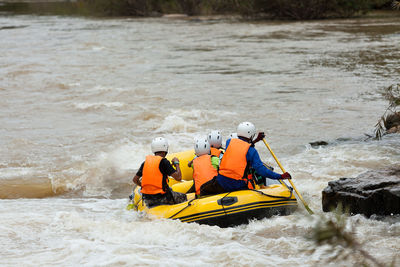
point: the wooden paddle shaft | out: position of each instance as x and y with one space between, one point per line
290 180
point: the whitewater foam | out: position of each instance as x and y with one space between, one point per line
98 105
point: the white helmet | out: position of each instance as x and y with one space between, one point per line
215 139
246 129
233 135
201 147
159 144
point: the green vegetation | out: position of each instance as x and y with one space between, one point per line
338 235
317 9
391 117
396 5
253 9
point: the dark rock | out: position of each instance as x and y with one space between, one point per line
395 129
392 120
344 139
318 143
373 192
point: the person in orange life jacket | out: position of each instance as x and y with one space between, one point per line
215 140
205 166
239 156
154 172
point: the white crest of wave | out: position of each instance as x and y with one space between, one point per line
111 169
98 48
188 121
98 105
173 242
341 160
313 168
100 88
192 122
176 123
93 232
19 172
127 156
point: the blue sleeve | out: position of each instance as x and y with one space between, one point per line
255 162
227 143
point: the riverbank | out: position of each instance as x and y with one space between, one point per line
253 10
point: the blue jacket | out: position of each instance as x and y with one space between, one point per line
255 162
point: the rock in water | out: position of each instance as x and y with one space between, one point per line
318 143
395 129
373 192
392 120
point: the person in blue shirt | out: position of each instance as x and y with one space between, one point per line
240 155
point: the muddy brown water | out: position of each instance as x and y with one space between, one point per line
81 100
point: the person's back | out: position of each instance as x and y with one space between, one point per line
234 162
153 181
240 155
154 172
205 166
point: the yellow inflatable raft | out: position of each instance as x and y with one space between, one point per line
224 210
184 157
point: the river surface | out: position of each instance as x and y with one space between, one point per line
81 100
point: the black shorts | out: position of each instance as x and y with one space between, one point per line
211 187
169 198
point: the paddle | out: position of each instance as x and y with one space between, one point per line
290 180
131 204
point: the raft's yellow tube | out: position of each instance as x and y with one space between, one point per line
184 157
182 187
224 209
273 196
172 181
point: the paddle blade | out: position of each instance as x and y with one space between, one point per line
130 207
308 209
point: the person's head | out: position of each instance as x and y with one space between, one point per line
201 147
215 139
159 146
246 130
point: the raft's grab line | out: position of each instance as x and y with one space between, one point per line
188 205
227 211
221 208
285 201
290 189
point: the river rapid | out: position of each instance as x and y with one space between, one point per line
81 100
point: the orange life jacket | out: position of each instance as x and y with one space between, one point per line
234 162
215 152
152 179
203 171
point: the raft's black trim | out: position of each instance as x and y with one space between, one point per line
242 206
188 205
228 210
244 217
222 213
241 214
239 209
